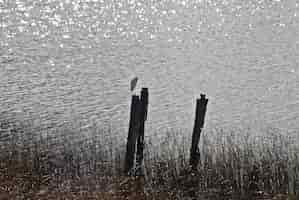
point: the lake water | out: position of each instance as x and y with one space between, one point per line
63 60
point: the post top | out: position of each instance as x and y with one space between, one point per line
202 96
135 96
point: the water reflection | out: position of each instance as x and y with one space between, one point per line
78 57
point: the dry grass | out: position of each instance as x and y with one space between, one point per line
64 164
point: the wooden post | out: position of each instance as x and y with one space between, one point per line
132 134
201 107
143 117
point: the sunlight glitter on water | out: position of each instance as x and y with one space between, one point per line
238 52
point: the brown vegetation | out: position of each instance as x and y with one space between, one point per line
233 165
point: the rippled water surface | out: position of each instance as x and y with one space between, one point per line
62 60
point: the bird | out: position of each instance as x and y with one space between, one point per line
133 83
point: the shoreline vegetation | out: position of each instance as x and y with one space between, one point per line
64 163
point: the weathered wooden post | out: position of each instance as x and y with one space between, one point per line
132 134
201 107
143 117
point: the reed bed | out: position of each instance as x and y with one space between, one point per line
76 163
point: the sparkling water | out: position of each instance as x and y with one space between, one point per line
62 60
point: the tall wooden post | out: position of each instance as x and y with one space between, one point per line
143 117
201 107
132 134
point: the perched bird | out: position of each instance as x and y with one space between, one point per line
133 83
